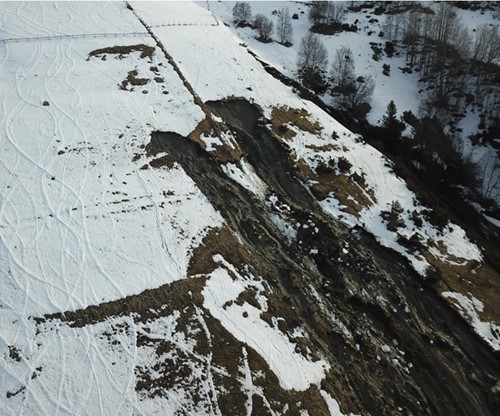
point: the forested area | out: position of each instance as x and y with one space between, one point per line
458 73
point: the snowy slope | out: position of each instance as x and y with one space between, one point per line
82 222
92 217
400 87
230 70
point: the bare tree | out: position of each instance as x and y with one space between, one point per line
312 54
335 12
312 62
486 49
264 28
257 20
326 12
284 27
444 22
388 27
411 34
490 177
360 92
397 25
343 67
317 11
242 13
426 45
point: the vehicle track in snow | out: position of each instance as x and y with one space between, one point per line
58 201
61 119
78 254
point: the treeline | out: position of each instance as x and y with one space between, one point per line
459 68
265 28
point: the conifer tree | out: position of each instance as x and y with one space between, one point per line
393 126
389 120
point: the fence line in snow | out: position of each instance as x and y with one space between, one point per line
183 24
105 35
72 36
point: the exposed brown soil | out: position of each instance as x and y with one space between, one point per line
478 280
219 241
210 127
144 306
351 194
155 146
167 161
133 80
281 116
121 51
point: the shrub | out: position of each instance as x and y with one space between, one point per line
393 217
242 13
386 69
344 165
264 28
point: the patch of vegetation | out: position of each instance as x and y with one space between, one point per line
333 28
393 216
351 191
132 79
281 116
414 244
14 353
323 148
121 51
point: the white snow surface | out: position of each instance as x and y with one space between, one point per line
293 370
244 174
470 307
188 13
49 19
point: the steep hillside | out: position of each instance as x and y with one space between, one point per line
377 35
181 233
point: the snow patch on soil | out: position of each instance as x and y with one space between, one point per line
293 370
470 308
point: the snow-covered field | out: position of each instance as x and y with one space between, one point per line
80 222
